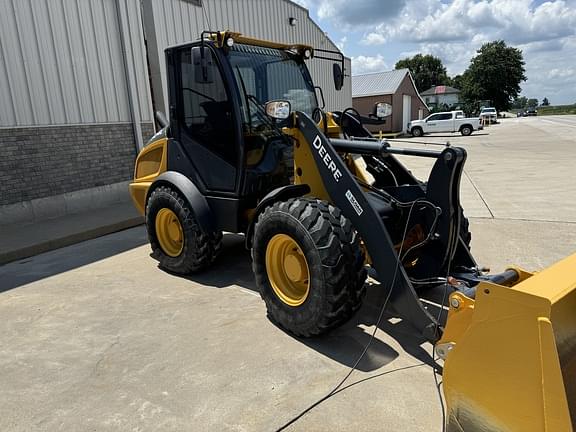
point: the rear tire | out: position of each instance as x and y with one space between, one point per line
417 132
198 249
334 260
466 130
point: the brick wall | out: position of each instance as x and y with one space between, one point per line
43 161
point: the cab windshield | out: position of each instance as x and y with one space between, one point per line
265 74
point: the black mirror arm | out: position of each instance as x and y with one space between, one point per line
339 59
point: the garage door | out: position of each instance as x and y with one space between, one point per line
406 111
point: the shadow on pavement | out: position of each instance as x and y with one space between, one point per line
344 344
232 267
18 273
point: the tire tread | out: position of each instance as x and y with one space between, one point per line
200 247
342 258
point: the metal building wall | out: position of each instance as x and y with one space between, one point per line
170 22
61 62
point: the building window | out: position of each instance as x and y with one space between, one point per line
194 2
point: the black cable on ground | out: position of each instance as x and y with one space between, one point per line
337 389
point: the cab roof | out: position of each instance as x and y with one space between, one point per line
219 39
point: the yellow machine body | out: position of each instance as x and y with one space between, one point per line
510 354
150 163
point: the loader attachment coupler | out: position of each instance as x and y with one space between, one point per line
510 354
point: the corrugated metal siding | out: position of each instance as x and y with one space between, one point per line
378 83
178 21
61 62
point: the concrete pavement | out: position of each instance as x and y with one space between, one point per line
22 240
119 345
95 337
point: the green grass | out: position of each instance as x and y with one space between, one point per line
557 109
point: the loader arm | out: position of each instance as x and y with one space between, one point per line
319 165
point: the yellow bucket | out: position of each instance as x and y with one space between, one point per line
510 354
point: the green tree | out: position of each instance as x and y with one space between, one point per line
495 73
426 70
545 102
520 102
456 82
532 103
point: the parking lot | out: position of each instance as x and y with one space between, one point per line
96 337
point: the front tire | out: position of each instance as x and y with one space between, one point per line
417 132
178 242
309 266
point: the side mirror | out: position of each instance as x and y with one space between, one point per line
203 65
382 110
161 118
279 110
338 76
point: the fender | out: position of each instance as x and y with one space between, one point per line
279 194
190 192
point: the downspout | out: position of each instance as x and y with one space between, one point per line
130 82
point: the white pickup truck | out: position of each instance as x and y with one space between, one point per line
453 121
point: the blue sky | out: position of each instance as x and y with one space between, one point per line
377 33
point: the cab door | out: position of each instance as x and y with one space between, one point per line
432 123
204 121
445 123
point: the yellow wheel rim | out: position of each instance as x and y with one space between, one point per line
287 270
169 232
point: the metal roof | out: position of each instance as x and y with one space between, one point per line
441 89
379 83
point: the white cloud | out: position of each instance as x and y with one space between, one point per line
365 64
564 73
516 21
455 29
373 39
455 56
551 74
341 44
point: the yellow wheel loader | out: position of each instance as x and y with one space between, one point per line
249 149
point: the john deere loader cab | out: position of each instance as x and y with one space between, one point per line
228 145
249 150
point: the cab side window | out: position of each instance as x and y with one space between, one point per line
206 114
